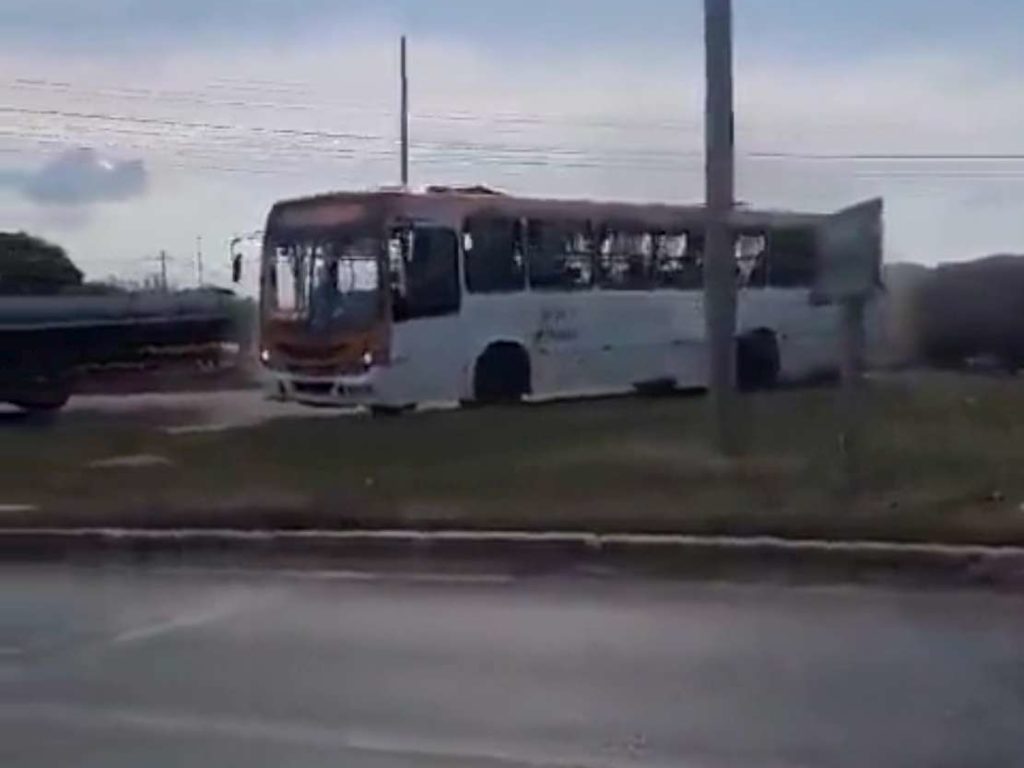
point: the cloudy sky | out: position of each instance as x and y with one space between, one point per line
131 126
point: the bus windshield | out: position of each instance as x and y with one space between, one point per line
334 284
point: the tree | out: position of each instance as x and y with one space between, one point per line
31 265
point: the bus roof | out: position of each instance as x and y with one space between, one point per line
335 209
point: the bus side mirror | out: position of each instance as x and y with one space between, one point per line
236 268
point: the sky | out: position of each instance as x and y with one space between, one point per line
134 126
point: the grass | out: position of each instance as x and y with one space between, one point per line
941 460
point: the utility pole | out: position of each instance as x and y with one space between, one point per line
163 270
719 247
852 366
405 115
199 260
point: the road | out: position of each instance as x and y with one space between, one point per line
112 667
200 411
184 411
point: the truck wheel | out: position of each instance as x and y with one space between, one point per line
42 392
48 402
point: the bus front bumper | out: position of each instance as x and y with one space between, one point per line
334 391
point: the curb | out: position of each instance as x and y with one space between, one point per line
532 553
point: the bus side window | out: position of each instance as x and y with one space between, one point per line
559 258
791 258
425 279
625 261
672 265
691 268
399 251
494 256
752 260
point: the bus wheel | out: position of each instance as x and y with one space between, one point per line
386 411
502 374
757 360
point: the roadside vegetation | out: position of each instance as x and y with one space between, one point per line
941 461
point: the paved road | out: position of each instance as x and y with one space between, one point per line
208 410
171 668
185 411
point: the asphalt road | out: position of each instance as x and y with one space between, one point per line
225 409
184 411
188 668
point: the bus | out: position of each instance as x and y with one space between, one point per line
393 299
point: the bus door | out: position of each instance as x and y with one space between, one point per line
425 299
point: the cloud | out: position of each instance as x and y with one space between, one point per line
809 29
80 177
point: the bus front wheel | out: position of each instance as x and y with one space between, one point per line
390 411
502 374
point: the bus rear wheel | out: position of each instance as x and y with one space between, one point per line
502 374
758 361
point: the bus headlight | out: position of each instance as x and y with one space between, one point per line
265 356
367 359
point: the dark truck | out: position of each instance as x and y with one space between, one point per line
46 341
972 312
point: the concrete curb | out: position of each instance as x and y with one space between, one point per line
529 553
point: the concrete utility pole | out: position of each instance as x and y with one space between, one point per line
199 260
852 318
163 270
405 115
719 248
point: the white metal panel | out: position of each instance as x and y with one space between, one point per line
427 357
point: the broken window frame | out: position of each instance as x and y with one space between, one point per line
512 277
792 259
679 269
314 272
624 259
576 250
411 296
285 272
751 250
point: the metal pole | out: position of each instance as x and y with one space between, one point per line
719 255
199 260
163 270
405 116
853 345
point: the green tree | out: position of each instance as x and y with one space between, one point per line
31 265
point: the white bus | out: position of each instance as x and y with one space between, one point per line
392 299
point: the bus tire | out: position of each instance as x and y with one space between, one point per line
502 374
758 361
390 411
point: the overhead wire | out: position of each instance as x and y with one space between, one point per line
249 141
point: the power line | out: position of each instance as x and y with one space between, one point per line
198 97
303 133
299 145
185 124
888 156
201 158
